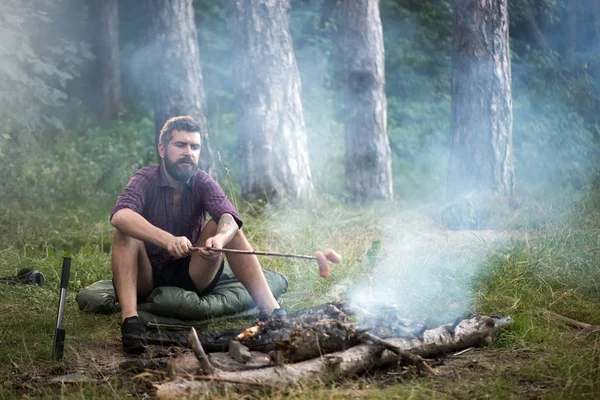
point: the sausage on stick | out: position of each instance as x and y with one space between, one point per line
322 257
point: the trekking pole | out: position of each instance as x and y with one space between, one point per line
59 334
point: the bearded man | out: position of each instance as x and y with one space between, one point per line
160 216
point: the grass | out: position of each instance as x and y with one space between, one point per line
551 262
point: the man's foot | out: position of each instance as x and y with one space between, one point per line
131 330
277 313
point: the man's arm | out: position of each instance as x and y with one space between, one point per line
133 224
226 230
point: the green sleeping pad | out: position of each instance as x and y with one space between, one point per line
175 308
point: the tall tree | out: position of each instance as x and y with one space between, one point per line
178 83
368 162
104 16
481 155
271 130
571 45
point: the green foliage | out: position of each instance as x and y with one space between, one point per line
81 170
35 62
417 38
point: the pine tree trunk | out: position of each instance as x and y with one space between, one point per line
104 16
179 88
571 46
595 67
481 155
271 130
368 157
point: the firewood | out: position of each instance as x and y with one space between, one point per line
475 331
404 355
205 366
239 352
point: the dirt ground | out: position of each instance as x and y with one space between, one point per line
100 365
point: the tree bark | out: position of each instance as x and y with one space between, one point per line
571 46
271 130
104 16
368 161
178 82
481 158
596 18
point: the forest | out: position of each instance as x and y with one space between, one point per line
448 149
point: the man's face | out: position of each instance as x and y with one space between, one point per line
181 155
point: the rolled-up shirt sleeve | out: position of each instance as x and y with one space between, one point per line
215 200
134 195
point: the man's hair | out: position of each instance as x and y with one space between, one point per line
186 124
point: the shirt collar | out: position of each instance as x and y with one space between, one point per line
163 181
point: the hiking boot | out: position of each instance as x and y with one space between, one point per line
132 331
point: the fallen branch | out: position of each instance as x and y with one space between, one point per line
475 331
206 378
205 365
586 329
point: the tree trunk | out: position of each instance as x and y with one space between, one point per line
596 18
179 88
571 46
595 69
271 131
534 29
104 16
368 157
481 158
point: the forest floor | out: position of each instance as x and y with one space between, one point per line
534 261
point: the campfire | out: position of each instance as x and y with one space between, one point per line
329 341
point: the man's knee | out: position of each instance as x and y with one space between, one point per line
122 240
210 227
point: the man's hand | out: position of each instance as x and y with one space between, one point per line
179 246
226 230
216 242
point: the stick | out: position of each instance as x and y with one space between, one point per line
586 329
412 358
570 321
463 352
258 253
205 365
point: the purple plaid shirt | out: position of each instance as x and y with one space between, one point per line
149 194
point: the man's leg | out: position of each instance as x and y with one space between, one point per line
132 272
248 270
203 270
245 267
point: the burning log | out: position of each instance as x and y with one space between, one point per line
304 335
475 331
213 341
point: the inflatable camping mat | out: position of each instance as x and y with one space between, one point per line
175 308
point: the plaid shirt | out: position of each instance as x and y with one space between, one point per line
149 194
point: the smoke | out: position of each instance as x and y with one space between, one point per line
425 269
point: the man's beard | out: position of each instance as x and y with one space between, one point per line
181 170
